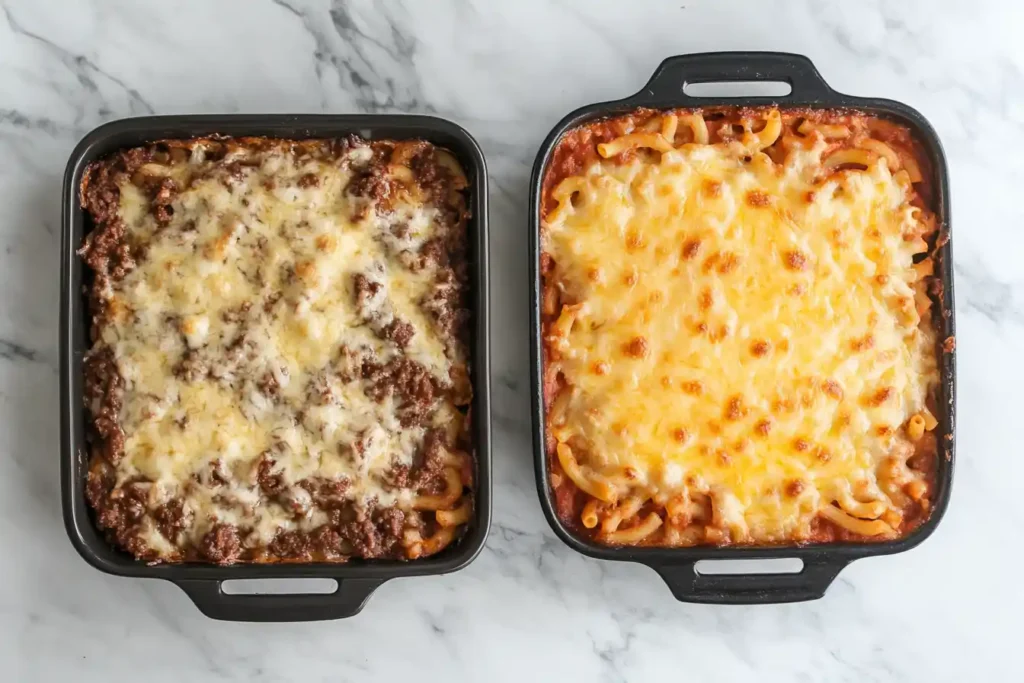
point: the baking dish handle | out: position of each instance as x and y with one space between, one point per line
346 601
689 585
675 72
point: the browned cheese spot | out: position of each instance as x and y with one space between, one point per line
710 263
694 388
734 409
863 343
728 262
796 260
691 248
783 405
706 299
305 270
760 348
832 388
807 397
635 241
721 333
637 347
758 199
881 396
326 243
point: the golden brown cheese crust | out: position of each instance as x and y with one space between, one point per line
279 366
622 505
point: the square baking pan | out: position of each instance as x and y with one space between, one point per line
356 579
823 562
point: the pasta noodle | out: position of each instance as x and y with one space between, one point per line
829 131
459 515
452 493
874 527
698 127
634 535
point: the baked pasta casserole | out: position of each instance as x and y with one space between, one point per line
736 328
278 369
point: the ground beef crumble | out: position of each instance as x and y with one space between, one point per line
372 303
447 306
409 382
426 473
172 519
104 393
269 481
221 544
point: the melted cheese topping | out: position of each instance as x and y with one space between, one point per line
227 335
740 330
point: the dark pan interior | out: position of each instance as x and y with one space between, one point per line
357 579
822 563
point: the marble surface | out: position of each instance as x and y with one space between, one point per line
528 608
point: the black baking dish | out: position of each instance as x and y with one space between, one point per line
358 579
821 563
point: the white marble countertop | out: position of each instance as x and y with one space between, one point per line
528 608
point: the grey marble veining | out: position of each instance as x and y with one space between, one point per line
528 608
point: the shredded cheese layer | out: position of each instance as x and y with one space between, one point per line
227 336
742 330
